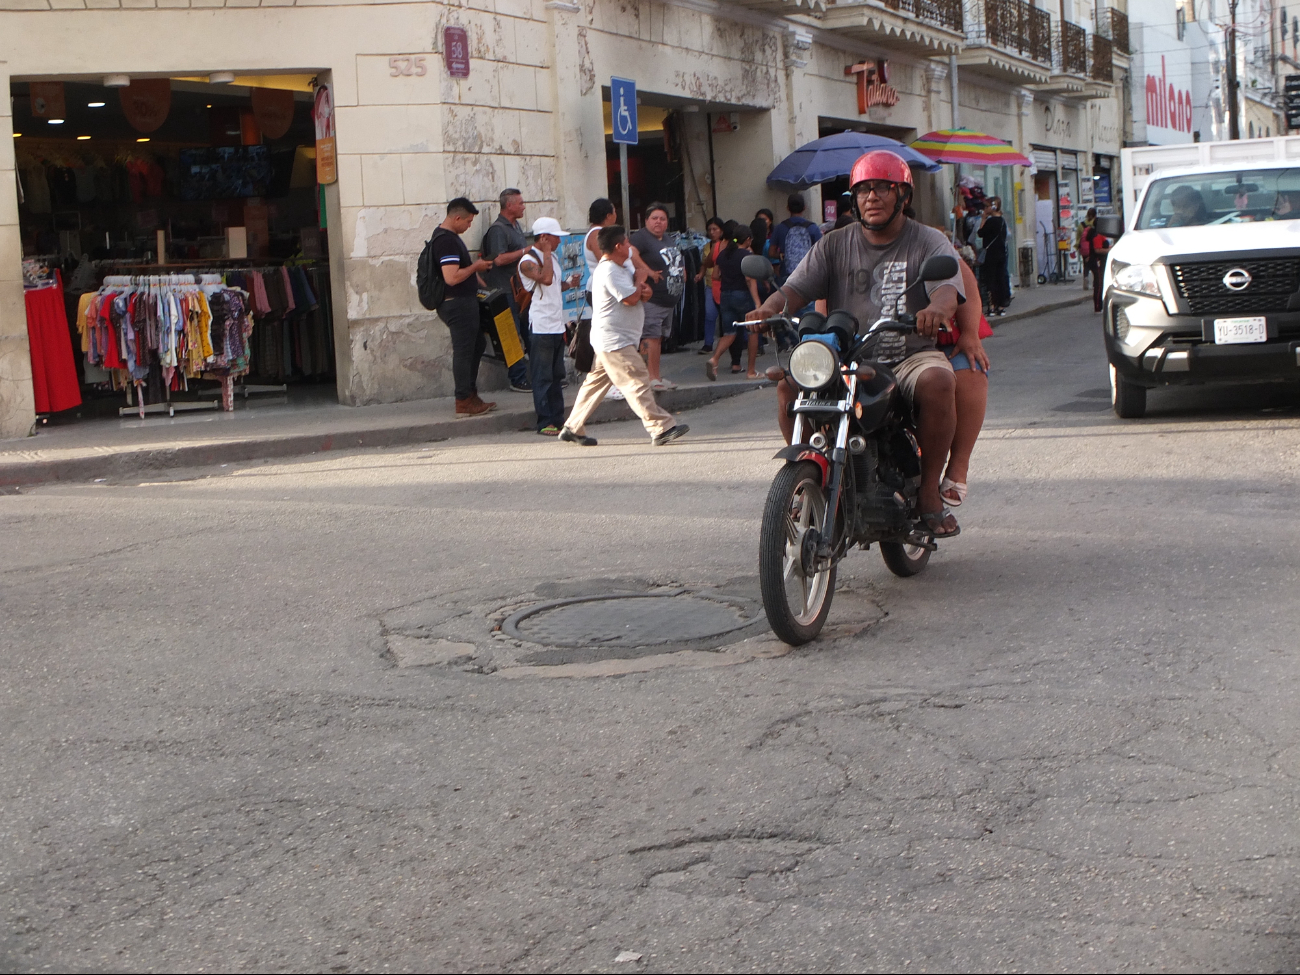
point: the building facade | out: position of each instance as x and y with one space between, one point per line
727 88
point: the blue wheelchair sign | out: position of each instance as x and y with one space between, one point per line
622 104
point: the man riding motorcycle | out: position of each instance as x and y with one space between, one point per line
863 269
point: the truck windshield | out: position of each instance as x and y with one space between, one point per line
1231 196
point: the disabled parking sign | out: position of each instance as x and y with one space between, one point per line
622 106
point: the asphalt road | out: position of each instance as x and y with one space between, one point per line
255 718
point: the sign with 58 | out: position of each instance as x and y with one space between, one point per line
455 50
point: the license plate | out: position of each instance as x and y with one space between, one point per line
1235 331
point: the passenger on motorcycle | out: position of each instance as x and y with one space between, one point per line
863 269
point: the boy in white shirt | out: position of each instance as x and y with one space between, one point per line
541 273
616 323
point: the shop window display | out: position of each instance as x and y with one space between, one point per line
206 190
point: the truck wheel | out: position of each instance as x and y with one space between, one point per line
1129 400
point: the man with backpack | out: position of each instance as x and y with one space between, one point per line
448 284
794 237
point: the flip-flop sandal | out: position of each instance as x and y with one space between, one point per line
933 521
711 370
956 487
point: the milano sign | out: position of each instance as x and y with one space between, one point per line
1169 98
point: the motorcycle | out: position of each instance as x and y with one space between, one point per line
853 467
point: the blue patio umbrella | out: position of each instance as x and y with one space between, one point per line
834 155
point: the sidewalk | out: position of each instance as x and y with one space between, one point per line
1044 298
309 421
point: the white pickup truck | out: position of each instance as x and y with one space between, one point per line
1204 284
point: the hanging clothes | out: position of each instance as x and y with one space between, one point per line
54 370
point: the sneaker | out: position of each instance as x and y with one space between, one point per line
523 387
550 430
568 436
668 436
704 350
614 393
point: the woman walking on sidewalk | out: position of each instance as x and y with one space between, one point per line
739 298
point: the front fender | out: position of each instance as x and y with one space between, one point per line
801 451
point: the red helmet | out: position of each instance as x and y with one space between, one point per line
880 164
886 165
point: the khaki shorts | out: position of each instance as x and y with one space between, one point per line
909 370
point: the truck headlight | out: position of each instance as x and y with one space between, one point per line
1139 278
813 364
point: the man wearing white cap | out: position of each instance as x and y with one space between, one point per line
540 272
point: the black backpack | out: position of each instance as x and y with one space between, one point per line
428 275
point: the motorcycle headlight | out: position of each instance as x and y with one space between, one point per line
813 364
1140 278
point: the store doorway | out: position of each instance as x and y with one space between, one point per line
1045 228
178 176
655 170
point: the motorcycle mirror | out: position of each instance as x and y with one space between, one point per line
1109 225
939 267
759 268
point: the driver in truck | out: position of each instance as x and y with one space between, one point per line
863 268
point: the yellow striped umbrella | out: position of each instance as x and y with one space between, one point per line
968 146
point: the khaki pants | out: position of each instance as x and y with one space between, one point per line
625 369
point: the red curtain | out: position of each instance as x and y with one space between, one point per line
54 371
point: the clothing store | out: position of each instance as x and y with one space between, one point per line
174 242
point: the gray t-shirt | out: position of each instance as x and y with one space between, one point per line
864 278
614 325
502 238
661 254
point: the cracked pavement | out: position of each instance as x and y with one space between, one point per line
257 719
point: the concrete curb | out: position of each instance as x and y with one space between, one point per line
1055 306
128 462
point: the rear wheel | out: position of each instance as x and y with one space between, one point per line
903 559
796 597
1129 400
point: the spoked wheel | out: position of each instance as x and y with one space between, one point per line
796 597
903 559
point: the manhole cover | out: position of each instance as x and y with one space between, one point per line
629 620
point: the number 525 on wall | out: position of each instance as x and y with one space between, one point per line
397 67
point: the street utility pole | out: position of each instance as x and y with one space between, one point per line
1234 108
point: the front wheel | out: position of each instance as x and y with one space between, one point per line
903 559
796 597
1129 400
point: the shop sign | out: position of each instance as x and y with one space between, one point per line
455 51
873 85
47 99
1166 98
1101 189
273 109
323 115
146 102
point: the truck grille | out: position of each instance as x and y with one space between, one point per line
1273 281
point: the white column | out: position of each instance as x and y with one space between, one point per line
579 124
17 406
